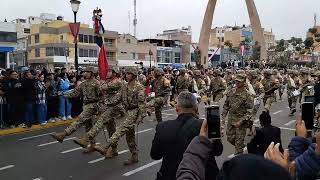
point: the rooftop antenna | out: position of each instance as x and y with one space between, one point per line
315 19
129 17
135 21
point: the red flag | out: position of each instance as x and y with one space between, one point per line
74 30
103 64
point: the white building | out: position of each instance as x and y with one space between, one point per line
8 42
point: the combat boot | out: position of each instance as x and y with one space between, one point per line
132 160
89 149
84 142
100 149
59 136
112 152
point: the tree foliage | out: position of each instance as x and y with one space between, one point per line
309 42
313 30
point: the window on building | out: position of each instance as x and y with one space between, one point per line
26 30
29 40
36 38
122 52
222 39
62 51
95 53
109 42
61 38
49 51
85 39
128 41
56 50
85 53
159 59
91 53
81 52
110 56
91 41
133 55
141 56
37 52
81 38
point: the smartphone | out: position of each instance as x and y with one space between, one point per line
307 109
213 120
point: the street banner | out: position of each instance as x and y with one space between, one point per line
242 48
74 30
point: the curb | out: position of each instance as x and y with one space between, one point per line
34 127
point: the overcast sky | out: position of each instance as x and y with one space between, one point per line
287 18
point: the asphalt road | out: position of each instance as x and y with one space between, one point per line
36 156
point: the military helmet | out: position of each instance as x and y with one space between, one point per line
241 77
217 71
132 70
267 72
241 71
289 71
158 72
304 71
183 71
197 72
317 73
295 72
275 72
229 71
115 69
90 69
253 73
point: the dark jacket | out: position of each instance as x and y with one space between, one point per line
317 93
198 160
13 91
171 140
264 136
302 151
29 90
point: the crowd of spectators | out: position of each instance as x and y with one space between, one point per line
31 97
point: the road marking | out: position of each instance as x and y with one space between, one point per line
103 158
54 142
142 168
290 122
146 130
74 149
277 112
31 137
6 167
290 129
257 120
40 178
168 110
169 114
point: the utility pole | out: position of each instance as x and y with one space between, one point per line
135 21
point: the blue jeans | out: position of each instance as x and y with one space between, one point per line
29 113
41 111
64 107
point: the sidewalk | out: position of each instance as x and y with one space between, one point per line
34 127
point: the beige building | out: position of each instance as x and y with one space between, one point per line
51 45
220 35
130 52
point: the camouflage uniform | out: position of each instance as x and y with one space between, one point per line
90 92
270 85
306 81
110 109
134 102
183 82
238 106
259 90
162 89
218 86
291 86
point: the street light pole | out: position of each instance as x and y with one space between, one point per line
75 7
76 64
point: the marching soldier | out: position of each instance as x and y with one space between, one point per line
134 102
270 85
110 108
258 89
183 81
201 84
306 83
218 86
291 88
238 106
90 92
162 89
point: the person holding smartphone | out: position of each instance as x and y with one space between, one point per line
238 105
